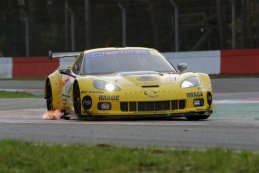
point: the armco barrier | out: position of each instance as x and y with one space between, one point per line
66 61
33 67
198 61
240 61
6 67
211 62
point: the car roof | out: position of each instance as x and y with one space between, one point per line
117 48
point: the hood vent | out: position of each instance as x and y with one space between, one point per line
150 86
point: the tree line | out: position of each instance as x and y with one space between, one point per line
35 26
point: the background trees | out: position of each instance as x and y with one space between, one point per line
203 24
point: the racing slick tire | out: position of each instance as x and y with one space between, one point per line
77 101
49 97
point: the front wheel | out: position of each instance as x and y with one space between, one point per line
77 101
49 98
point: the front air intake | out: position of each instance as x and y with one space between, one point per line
152 105
150 86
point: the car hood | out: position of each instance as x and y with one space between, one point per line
141 78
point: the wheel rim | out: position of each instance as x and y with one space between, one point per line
77 100
49 97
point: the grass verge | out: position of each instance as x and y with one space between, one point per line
20 157
16 94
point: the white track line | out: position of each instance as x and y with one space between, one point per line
237 101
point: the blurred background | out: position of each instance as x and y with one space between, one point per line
32 27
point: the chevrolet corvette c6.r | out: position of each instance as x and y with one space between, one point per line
130 81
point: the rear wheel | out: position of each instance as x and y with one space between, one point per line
49 99
77 101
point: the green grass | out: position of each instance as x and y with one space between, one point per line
23 157
8 94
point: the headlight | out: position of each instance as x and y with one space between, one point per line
103 85
190 82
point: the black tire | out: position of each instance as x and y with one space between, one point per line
77 101
49 97
197 117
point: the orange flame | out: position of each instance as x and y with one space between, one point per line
52 115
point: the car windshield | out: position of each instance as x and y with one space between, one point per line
111 61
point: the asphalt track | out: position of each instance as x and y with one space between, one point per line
234 123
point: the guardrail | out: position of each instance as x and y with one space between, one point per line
211 62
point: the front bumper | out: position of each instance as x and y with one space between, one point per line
134 104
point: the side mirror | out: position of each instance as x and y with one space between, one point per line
182 67
66 71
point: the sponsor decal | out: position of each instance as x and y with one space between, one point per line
117 52
65 96
130 93
91 92
200 109
104 112
66 84
65 99
151 93
109 98
87 102
194 94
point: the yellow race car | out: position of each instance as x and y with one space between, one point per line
129 81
